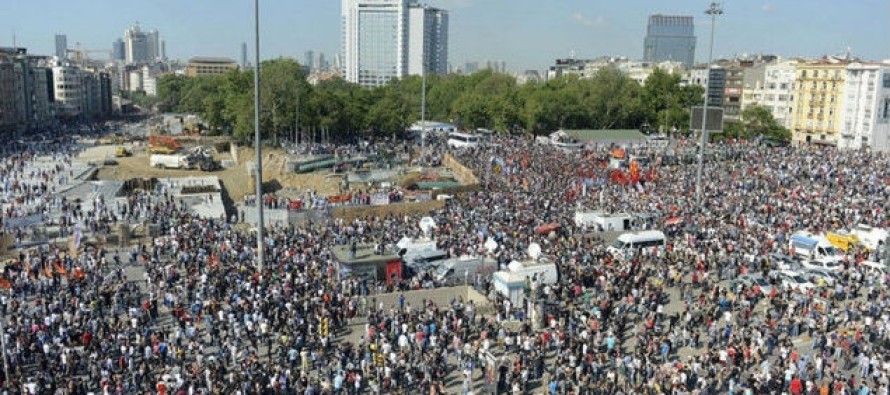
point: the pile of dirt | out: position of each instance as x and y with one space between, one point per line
235 179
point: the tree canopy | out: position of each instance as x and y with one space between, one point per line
758 121
486 99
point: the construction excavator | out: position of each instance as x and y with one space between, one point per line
158 144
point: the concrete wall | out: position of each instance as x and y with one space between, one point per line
461 172
233 149
373 175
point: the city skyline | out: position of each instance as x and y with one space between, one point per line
527 34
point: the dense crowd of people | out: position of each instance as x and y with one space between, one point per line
190 312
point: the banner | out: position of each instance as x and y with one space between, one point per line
379 199
78 234
20 222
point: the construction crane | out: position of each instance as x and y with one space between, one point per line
80 54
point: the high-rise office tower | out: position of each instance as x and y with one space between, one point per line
61 46
244 56
322 62
670 37
374 38
309 60
427 40
118 50
154 45
136 45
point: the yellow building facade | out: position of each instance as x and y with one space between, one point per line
818 101
198 66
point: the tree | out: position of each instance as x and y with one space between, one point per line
666 103
757 121
484 99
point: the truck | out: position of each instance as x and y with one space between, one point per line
870 237
541 270
163 161
511 285
811 246
842 240
603 222
464 268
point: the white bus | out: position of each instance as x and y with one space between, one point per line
636 240
462 140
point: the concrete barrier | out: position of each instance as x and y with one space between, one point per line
372 176
461 172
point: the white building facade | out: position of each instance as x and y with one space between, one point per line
865 121
427 40
149 81
374 40
68 89
771 85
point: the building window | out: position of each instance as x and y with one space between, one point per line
887 81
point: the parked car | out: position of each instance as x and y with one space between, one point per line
821 277
750 280
795 281
822 264
784 262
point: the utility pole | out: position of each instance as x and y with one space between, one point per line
297 116
422 112
3 344
258 139
713 11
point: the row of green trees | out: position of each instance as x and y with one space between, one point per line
485 99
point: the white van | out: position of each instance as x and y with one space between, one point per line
815 247
635 240
462 140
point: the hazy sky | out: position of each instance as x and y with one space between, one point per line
527 34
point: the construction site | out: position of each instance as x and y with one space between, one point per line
148 152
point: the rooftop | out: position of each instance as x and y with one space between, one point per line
364 254
210 59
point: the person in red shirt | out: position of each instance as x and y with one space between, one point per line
796 386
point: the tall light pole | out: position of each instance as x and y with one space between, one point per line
422 112
297 116
713 11
258 140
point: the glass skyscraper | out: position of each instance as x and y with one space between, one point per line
670 38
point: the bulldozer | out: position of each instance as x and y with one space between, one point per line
192 128
122 152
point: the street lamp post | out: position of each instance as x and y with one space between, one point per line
297 116
713 11
258 142
422 112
